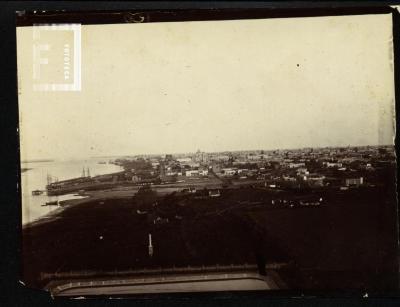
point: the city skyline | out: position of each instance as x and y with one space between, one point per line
207 152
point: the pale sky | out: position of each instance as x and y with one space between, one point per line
215 86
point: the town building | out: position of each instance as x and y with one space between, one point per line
229 171
296 165
354 181
191 173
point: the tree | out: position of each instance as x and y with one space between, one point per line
145 198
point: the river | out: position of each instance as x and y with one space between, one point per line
35 178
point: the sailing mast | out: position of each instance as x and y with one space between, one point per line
49 179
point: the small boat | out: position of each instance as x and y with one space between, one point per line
37 192
51 203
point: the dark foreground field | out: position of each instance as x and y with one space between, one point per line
348 242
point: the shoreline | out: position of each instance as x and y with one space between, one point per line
54 215
119 192
70 203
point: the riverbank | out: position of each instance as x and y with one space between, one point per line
118 192
55 214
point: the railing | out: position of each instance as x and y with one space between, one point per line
59 289
157 271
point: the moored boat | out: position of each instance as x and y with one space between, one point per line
51 203
37 192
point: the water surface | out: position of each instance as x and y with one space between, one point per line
35 178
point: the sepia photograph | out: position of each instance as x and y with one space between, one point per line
186 152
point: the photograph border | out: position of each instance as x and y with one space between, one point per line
28 18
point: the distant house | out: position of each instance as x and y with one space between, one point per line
191 173
189 190
184 160
316 180
160 220
302 171
288 178
229 171
191 164
354 181
369 167
257 157
214 193
297 165
203 172
221 157
333 164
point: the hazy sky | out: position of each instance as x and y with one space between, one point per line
219 85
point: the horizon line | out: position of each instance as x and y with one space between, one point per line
190 152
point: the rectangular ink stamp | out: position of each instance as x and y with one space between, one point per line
56 57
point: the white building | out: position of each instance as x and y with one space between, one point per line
203 172
221 157
302 171
257 157
315 179
191 173
155 164
184 160
333 164
296 165
214 193
229 171
354 181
